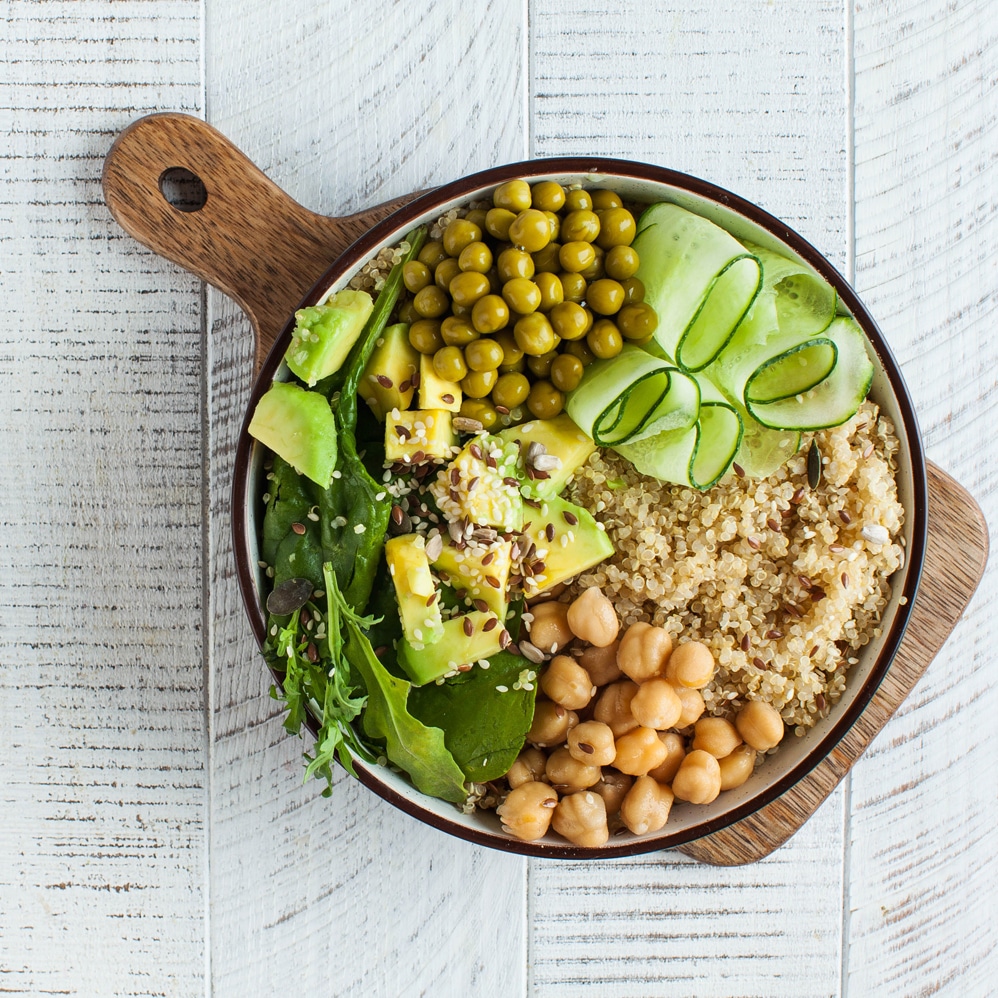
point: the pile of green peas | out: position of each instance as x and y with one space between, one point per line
515 301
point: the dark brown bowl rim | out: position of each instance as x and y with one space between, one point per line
587 167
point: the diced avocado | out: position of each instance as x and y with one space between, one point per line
298 425
415 431
325 333
481 569
471 487
577 542
434 391
560 438
454 649
387 381
419 607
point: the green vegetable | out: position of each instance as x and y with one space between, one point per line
484 728
299 426
324 334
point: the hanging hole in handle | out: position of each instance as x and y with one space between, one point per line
182 189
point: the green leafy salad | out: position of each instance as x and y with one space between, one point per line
420 452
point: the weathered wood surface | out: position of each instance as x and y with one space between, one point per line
158 838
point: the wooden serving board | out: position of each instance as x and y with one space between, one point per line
244 210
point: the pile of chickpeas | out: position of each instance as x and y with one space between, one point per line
619 732
514 301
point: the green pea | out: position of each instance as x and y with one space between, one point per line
530 230
540 367
604 339
545 401
431 254
483 355
475 257
431 302
481 410
424 335
498 221
552 292
489 314
603 199
548 260
445 272
605 296
511 353
514 263
595 270
457 332
478 384
566 372
511 390
459 234
576 256
637 322
514 195
448 363
534 334
521 295
407 311
573 286
415 276
578 200
569 320
621 262
580 226
467 287
548 196
617 228
580 349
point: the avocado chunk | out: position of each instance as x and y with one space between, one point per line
418 431
481 569
577 542
455 649
480 485
388 381
297 425
419 607
436 392
324 334
561 439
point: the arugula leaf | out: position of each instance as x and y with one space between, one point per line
484 728
413 746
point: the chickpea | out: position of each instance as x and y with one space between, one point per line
527 810
760 724
675 749
639 751
592 742
613 789
737 767
551 724
691 664
716 735
657 705
693 706
698 779
549 629
601 664
614 707
566 682
581 818
564 771
529 765
644 651
593 618
647 805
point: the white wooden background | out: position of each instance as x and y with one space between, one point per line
155 838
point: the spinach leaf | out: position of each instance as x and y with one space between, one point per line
485 714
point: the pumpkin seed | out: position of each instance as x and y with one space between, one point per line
290 595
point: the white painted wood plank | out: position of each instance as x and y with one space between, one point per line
356 897
752 97
923 846
101 722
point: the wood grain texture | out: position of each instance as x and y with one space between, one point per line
923 849
355 896
101 726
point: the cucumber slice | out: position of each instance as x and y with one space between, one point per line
805 302
699 279
837 397
632 396
762 450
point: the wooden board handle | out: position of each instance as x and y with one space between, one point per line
249 239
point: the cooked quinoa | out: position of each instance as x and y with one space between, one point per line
785 583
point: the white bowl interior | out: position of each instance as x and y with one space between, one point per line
793 750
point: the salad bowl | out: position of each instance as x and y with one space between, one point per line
274 257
